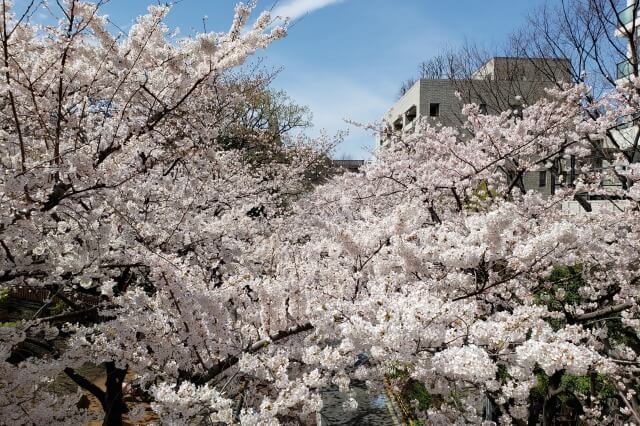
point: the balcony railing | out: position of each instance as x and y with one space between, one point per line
624 69
626 15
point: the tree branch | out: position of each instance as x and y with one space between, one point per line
232 360
602 313
87 385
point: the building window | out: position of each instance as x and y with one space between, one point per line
434 110
411 114
542 179
563 178
483 109
397 125
516 111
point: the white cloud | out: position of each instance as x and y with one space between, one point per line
294 9
333 98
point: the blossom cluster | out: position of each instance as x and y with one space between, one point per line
229 289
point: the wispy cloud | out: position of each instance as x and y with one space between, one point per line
333 98
294 9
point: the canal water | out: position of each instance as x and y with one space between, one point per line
373 409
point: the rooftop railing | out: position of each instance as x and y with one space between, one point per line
626 15
624 69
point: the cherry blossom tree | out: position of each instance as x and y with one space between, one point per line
440 265
115 187
224 290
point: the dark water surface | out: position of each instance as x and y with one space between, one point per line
373 409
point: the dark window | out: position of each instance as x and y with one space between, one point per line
542 179
434 110
411 114
516 111
483 109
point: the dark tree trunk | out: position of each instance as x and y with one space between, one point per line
114 406
535 410
550 406
549 411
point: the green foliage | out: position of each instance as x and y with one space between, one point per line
503 374
579 384
398 372
483 193
598 385
561 288
58 308
542 383
621 334
567 279
9 324
479 196
415 390
411 390
570 386
4 294
261 121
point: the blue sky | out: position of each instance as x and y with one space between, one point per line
347 58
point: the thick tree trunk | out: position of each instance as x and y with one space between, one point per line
548 411
114 406
549 408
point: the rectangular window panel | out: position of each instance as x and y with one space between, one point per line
542 179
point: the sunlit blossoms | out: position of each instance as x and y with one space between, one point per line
119 199
442 266
232 285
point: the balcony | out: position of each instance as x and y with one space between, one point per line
625 17
624 69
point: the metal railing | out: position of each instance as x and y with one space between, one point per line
352 165
624 69
626 15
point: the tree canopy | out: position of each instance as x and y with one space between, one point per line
227 290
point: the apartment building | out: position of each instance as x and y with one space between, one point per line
623 137
501 84
628 20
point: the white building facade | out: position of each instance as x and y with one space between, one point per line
501 84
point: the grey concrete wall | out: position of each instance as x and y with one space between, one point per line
399 109
525 69
498 96
532 182
442 92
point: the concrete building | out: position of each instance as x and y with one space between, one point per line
628 18
342 166
624 136
501 84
